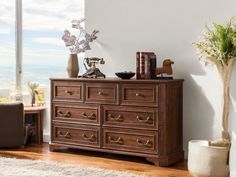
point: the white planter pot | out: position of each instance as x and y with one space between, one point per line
207 161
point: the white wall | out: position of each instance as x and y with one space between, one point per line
168 28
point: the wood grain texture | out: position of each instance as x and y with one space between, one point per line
136 165
139 94
130 117
67 90
130 140
76 113
105 93
76 135
134 117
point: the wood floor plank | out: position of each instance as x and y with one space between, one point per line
136 165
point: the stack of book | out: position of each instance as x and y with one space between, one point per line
145 65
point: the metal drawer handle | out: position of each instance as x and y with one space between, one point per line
139 94
68 92
118 118
92 116
91 138
66 135
100 93
117 141
147 120
66 114
146 143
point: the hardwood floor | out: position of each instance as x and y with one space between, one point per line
136 165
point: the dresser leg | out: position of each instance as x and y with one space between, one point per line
52 148
165 161
153 160
158 161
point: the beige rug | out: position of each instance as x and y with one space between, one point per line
37 168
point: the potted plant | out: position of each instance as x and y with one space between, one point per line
218 47
33 91
77 45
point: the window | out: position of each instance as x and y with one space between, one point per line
7 43
44 53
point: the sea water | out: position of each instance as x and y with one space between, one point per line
31 73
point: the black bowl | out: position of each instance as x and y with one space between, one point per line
125 75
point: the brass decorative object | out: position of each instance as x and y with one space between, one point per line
91 70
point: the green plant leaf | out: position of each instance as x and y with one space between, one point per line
219 42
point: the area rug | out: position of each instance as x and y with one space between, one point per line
36 168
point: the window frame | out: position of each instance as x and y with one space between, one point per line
18 43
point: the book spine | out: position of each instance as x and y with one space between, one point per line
147 73
138 65
145 65
153 66
142 66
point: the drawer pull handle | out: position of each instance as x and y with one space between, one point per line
100 93
117 141
139 95
147 120
67 114
146 143
66 135
68 92
91 116
92 138
119 118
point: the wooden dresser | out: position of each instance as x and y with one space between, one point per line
133 117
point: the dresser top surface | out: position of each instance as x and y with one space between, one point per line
114 79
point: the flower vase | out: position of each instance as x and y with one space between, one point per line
33 99
73 66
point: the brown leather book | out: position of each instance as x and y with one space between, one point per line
145 65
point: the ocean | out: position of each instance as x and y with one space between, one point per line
31 73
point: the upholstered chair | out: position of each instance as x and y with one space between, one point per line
11 125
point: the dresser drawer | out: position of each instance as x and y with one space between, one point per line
67 91
105 93
76 135
75 113
130 140
140 95
130 117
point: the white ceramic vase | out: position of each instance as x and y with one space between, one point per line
207 161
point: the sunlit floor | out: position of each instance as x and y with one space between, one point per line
131 164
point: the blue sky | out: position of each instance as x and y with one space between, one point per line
44 22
